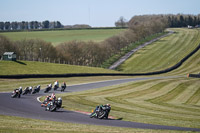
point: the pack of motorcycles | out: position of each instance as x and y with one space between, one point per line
52 104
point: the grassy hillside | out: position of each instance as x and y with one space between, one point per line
30 67
60 36
163 53
172 102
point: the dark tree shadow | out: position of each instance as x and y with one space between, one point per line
22 63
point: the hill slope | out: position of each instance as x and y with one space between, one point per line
163 53
29 67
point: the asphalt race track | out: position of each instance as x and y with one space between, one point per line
28 106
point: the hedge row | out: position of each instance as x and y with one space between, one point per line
55 29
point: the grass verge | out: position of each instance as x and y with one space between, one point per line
171 102
32 67
12 124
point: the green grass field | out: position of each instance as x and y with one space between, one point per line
11 124
173 101
163 53
31 67
60 36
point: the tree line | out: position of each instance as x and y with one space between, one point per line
32 25
182 20
90 53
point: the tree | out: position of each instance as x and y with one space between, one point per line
14 25
7 25
23 25
32 26
45 24
1 25
6 45
36 24
58 24
122 22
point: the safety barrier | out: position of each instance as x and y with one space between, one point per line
194 75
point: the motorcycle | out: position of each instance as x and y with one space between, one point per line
47 89
46 101
36 89
26 91
55 87
54 105
20 91
101 112
63 87
15 93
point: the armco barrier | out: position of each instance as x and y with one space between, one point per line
194 75
102 74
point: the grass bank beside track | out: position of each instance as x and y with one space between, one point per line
127 49
164 53
33 67
173 102
12 124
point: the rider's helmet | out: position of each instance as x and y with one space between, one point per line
20 87
59 98
108 104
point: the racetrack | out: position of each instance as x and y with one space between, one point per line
28 106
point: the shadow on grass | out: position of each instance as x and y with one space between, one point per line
22 63
119 119
113 119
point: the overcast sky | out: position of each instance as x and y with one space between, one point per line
97 13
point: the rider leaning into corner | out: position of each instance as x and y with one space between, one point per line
56 83
106 106
57 103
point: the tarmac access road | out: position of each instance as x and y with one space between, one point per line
28 106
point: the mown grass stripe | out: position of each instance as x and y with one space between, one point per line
163 53
195 98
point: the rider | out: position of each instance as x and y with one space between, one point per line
53 96
47 98
20 90
17 91
59 103
30 89
38 87
106 106
63 86
56 83
50 85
